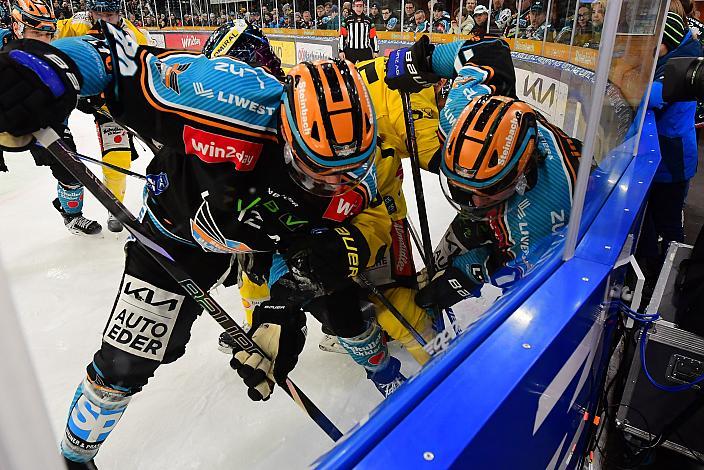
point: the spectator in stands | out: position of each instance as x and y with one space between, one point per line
662 221
307 20
481 17
409 22
598 12
334 21
345 13
422 25
539 28
375 15
519 20
347 5
297 20
441 20
255 19
328 9
390 21
463 25
583 31
322 18
500 17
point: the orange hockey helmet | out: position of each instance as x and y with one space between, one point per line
328 125
488 153
34 14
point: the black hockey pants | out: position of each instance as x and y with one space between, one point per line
151 318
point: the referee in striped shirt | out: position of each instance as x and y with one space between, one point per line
358 36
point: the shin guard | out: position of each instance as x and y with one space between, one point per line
94 413
70 198
368 349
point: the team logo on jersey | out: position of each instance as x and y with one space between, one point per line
215 148
206 232
343 207
169 74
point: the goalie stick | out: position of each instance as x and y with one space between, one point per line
71 160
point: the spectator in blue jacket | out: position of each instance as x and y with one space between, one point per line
678 147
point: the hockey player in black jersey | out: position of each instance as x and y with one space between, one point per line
247 164
34 19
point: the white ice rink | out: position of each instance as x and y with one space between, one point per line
194 414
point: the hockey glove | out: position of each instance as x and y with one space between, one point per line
90 104
447 288
39 86
330 257
279 330
410 69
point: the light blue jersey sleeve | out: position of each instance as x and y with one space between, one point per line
163 95
5 36
527 228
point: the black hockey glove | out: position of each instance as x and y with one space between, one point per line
39 86
410 68
279 330
90 104
331 256
449 287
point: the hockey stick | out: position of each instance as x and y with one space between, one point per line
450 313
425 246
387 303
111 166
411 143
52 142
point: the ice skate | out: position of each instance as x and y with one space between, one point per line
388 379
76 223
71 465
114 225
329 343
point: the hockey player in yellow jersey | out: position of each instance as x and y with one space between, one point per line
116 144
394 273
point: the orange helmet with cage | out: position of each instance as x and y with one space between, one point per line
489 150
34 14
328 126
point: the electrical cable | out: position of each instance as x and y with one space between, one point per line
666 388
694 454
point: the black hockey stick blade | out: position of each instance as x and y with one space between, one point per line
71 160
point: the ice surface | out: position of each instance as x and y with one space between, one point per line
194 414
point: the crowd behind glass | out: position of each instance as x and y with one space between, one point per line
551 20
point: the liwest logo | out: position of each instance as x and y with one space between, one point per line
190 41
215 148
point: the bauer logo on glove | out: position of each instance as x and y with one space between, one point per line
409 69
447 288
